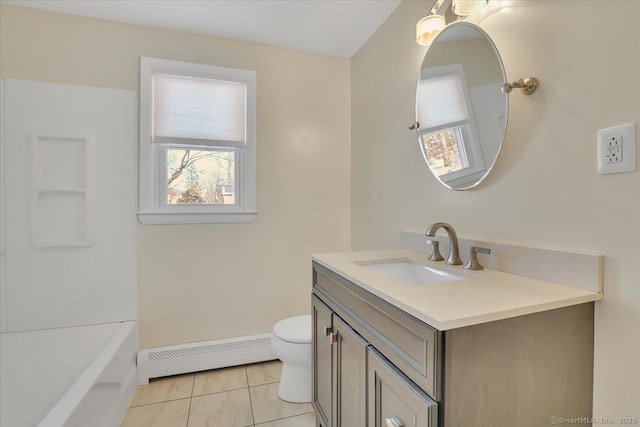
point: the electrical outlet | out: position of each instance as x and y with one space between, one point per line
617 149
614 149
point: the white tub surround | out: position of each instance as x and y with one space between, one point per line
70 229
68 285
487 296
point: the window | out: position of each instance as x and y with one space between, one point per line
447 132
197 143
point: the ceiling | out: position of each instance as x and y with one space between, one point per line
333 27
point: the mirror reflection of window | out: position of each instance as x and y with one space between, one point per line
445 151
447 131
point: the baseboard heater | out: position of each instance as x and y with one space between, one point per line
202 356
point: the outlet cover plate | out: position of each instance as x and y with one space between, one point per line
617 149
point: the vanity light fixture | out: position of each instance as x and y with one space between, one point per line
430 26
467 7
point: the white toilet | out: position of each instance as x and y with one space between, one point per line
292 344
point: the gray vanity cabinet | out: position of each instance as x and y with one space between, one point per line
394 401
374 365
339 370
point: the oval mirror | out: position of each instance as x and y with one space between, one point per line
460 108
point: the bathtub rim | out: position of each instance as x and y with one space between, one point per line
65 407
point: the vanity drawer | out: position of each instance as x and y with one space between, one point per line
409 343
393 399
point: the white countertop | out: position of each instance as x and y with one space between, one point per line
487 296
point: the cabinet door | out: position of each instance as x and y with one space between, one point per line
322 367
394 401
350 367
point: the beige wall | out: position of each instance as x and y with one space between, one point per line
545 190
200 282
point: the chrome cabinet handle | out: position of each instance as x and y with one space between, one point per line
393 422
333 337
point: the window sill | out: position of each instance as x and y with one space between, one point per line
196 217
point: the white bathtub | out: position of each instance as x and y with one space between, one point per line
69 377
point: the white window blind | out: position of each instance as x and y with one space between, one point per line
198 110
441 102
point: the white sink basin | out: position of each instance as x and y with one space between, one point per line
410 272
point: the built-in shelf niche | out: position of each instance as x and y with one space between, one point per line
63 189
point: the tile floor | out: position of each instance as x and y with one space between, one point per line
241 396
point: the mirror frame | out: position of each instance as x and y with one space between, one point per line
506 122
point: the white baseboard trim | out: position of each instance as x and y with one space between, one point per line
202 356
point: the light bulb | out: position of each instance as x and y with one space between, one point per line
467 7
428 28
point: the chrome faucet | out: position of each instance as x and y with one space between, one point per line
454 253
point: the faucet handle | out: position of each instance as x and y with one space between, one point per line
473 263
435 255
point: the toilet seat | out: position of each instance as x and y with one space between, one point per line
294 329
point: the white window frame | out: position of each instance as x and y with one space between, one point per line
467 129
153 177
